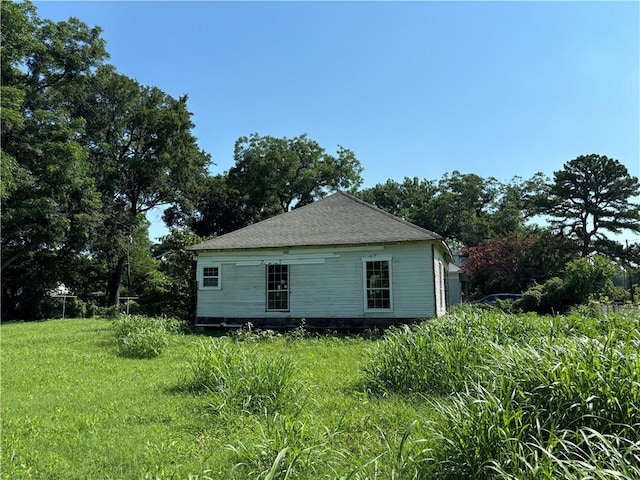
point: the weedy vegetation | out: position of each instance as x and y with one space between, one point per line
238 376
477 394
528 397
137 336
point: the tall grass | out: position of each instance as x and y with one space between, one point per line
533 397
238 376
290 448
137 336
514 397
428 359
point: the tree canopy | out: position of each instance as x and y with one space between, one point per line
86 152
592 194
270 176
142 154
464 208
49 200
516 261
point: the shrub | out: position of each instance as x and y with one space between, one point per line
530 300
585 279
238 377
143 337
550 297
589 277
554 297
618 294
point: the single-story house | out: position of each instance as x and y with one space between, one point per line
336 263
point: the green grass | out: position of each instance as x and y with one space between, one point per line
474 395
72 408
137 336
531 397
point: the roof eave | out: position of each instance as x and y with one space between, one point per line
320 245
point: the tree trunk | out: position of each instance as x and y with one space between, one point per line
586 241
113 290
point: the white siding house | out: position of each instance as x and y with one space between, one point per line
336 263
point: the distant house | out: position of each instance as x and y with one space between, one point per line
336 263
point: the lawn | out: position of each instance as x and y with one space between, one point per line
73 408
404 406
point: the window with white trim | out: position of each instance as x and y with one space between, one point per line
210 277
377 276
277 288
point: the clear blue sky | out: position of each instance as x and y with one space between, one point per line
418 89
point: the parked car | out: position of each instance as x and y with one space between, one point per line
512 297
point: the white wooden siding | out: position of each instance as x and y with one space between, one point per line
323 282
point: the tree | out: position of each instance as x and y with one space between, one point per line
272 175
175 285
591 195
218 210
516 261
49 201
143 156
410 200
46 193
464 208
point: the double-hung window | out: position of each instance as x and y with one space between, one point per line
377 280
277 288
210 277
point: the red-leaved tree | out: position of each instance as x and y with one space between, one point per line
516 261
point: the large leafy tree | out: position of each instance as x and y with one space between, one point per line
49 201
270 176
592 195
464 208
411 200
143 155
219 210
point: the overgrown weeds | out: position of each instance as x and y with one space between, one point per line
137 336
531 397
290 448
238 376
429 359
479 394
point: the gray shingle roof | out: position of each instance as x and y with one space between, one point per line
339 219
